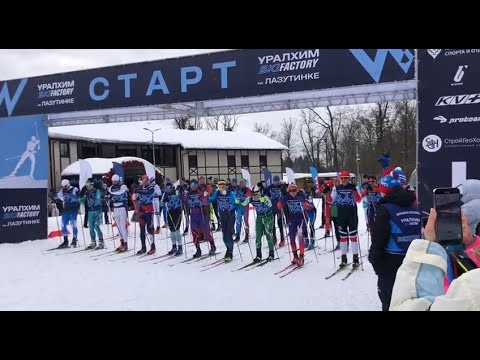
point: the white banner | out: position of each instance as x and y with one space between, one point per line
290 176
85 173
246 176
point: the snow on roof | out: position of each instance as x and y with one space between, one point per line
100 166
133 132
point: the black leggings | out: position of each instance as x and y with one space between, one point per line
278 215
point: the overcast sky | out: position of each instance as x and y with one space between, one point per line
21 63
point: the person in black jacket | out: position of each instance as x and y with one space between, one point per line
397 224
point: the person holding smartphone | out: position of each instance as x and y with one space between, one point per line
419 285
397 224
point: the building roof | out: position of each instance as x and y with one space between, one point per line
133 132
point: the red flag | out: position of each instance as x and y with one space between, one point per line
56 233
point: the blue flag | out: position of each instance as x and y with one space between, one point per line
118 169
314 173
268 177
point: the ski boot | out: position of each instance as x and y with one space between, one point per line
301 260
356 263
246 240
198 253
337 247
228 256
307 243
258 258
123 246
173 251
64 244
164 226
282 242
219 227
157 230
271 255
152 249
142 251
322 226
327 234
179 250
212 227
92 245
74 243
343 263
295 258
101 245
213 248
237 238
311 246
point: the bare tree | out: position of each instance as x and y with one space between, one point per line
332 126
262 128
224 122
230 122
181 123
286 136
311 136
186 122
213 123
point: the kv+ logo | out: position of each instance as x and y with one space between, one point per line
404 59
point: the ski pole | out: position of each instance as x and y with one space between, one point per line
112 220
287 235
333 252
83 231
271 237
238 246
358 240
58 227
308 234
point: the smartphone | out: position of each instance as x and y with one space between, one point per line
449 216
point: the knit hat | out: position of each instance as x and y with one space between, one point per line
276 178
234 180
222 182
391 181
193 182
344 173
90 181
401 176
65 182
292 187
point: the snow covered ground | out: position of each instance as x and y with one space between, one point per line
35 279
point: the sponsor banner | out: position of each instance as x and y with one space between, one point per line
230 74
23 152
449 119
23 215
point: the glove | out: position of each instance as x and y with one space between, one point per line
237 201
223 192
263 199
205 193
134 196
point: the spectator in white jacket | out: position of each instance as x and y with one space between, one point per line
419 285
471 202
